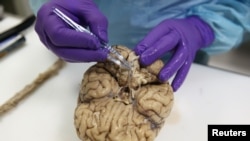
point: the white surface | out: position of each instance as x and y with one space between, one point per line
208 96
9 21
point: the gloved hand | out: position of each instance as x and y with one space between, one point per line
183 38
63 40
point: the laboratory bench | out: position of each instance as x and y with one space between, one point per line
208 96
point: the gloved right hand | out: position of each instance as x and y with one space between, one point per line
64 41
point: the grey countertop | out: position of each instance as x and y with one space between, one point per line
236 60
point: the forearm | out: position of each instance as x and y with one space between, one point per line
36 4
229 20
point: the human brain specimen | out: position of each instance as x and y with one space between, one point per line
119 105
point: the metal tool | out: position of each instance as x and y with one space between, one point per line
113 56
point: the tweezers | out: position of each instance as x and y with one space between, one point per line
113 56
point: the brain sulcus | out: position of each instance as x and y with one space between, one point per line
115 104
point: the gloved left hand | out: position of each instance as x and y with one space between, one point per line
67 43
183 38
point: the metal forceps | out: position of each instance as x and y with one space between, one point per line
113 56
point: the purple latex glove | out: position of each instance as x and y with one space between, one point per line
63 40
183 38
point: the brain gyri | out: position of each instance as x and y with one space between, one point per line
119 105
